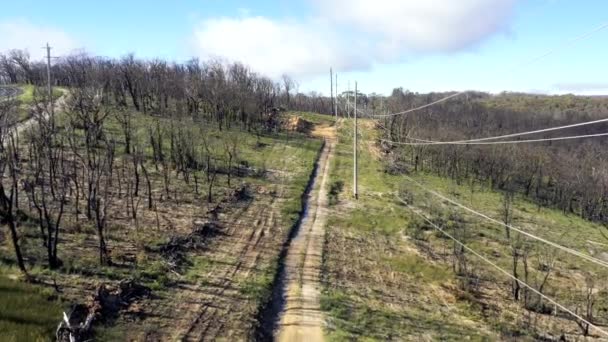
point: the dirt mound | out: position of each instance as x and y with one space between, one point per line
297 124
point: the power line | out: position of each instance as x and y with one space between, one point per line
531 61
553 244
494 142
420 107
488 261
544 130
566 44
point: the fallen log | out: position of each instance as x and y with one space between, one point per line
105 303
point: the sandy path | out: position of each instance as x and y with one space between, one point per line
301 318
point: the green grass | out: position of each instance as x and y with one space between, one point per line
419 268
357 308
567 230
258 287
27 97
379 212
27 312
374 219
378 236
200 266
355 320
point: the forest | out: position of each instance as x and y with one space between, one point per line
568 175
140 173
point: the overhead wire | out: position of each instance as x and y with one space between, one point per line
495 142
503 271
530 235
531 61
512 135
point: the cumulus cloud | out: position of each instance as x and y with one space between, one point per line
352 34
272 47
423 25
22 34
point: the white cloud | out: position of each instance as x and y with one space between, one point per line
22 34
422 25
272 47
352 34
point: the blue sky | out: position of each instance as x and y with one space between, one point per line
421 45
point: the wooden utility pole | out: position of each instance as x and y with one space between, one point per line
348 101
331 81
51 109
336 102
355 166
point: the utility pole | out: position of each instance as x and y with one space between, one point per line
49 86
331 81
355 166
336 103
348 101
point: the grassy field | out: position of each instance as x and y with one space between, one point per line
29 312
378 286
389 276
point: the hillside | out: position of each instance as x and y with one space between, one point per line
389 275
204 247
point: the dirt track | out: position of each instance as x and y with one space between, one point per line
301 318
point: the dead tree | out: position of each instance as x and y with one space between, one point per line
88 110
231 151
156 141
102 198
9 165
123 116
546 264
210 168
586 304
49 174
507 211
142 164
8 217
459 260
516 254
50 211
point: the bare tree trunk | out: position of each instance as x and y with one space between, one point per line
15 240
6 214
148 184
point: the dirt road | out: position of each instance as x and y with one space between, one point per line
301 318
